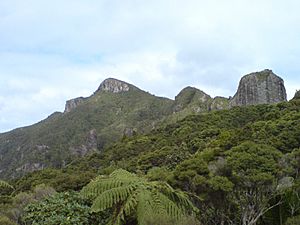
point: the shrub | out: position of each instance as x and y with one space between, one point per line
63 208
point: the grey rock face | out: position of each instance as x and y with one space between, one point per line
129 132
89 146
73 103
114 86
259 88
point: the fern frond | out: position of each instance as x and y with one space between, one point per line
5 185
145 207
171 208
96 187
120 173
129 194
180 197
127 209
111 197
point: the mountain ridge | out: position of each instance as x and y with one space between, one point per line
115 110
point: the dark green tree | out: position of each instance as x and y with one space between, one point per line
255 169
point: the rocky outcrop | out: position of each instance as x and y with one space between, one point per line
30 167
114 86
129 132
219 103
259 88
90 145
297 95
73 103
192 98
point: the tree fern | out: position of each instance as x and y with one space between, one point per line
130 195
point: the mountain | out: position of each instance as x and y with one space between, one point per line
115 110
87 125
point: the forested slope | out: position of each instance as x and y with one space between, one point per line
239 166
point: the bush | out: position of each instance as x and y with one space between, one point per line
293 220
63 208
6 221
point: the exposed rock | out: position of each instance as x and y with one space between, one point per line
219 103
114 86
297 95
91 140
73 103
217 165
30 167
42 147
90 145
129 132
259 88
193 97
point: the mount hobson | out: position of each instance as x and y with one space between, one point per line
115 110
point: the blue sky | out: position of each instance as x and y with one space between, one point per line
51 51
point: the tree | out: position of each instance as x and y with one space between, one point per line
129 195
255 170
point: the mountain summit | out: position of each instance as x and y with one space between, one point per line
111 85
263 87
115 86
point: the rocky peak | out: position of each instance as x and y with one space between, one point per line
187 94
191 96
219 103
259 88
73 103
297 95
114 86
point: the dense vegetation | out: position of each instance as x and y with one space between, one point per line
237 166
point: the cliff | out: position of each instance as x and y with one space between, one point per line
263 87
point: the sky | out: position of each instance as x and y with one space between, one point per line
55 50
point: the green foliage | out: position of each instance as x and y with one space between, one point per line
165 220
254 163
15 208
158 174
5 191
131 195
293 221
218 183
6 221
63 208
4 185
61 180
